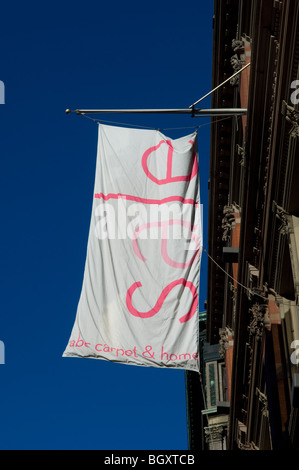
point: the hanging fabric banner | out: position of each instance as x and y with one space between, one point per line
139 299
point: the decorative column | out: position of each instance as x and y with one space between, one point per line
237 60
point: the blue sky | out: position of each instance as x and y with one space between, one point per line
91 54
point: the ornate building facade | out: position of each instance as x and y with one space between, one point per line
253 233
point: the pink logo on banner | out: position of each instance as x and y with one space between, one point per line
164 252
169 178
161 300
165 224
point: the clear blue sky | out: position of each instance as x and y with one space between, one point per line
92 54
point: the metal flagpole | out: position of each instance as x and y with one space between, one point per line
193 112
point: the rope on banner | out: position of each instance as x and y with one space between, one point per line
215 121
97 121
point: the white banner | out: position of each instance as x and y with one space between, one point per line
139 299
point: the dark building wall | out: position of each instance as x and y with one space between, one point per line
253 218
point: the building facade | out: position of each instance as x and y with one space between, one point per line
253 234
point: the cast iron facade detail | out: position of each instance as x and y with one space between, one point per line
253 230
